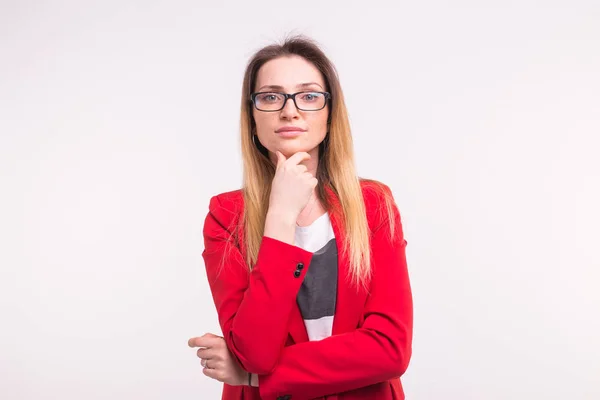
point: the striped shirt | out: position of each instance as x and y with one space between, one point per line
316 298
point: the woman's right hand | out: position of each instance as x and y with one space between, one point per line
292 185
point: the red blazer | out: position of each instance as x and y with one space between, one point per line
370 346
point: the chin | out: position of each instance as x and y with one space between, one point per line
289 151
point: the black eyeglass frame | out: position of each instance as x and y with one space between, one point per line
290 96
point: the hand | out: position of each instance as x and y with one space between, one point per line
292 185
217 361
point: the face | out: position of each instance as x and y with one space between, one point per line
290 75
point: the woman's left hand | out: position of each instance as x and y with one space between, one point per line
217 360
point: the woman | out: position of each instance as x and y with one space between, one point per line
306 263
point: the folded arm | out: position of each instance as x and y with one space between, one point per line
377 351
253 308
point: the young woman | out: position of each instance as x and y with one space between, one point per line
306 263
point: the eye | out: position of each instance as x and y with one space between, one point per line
269 97
310 96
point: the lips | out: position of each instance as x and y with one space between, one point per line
293 129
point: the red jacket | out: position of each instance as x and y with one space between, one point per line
370 346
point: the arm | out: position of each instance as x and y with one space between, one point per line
377 351
253 308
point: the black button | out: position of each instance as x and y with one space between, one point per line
300 265
297 273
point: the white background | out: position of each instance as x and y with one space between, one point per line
482 116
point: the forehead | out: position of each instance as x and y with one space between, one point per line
288 72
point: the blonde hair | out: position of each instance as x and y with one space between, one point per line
336 167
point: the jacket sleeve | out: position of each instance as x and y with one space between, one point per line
377 351
253 308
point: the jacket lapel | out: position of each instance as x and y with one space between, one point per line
350 300
296 326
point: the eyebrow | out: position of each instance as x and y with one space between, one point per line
278 87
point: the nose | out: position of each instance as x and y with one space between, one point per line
289 109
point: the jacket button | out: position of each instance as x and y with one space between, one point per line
297 273
300 265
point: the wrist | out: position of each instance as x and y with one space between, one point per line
280 217
280 226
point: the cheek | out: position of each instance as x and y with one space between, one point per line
263 121
319 122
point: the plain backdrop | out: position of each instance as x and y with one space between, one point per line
120 119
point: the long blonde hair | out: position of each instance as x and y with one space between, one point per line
336 167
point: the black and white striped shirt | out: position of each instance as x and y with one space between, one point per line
318 292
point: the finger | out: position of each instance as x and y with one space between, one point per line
207 353
205 340
212 373
213 364
211 336
309 178
213 341
280 158
201 341
298 157
217 364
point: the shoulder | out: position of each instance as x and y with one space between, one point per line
226 208
230 201
379 201
374 190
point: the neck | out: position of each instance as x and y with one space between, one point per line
313 162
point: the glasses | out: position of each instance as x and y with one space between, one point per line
304 101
